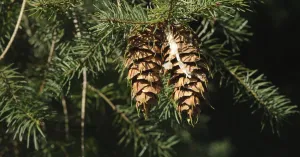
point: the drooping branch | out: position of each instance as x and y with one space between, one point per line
21 110
15 31
266 96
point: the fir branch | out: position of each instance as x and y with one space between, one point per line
250 86
232 30
189 10
277 108
15 31
114 17
57 3
74 56
235 29
49 9
19 108
124 12
83 104
115 20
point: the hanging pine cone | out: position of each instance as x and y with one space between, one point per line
144 61
188 70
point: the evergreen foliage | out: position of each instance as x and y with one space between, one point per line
65 37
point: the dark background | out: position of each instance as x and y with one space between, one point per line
274 50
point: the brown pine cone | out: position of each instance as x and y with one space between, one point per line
144 61
188 71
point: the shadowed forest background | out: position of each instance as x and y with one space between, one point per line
229 130
273 50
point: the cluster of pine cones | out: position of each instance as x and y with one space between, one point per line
155 51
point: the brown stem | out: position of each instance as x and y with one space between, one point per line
83 103
64 104
113 107
124 21
119 3
51 52
15 31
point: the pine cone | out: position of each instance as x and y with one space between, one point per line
144 61
188 70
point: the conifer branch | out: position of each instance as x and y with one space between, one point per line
15 31
212 9
114 20
22 112
83 104
266 96
249 86
112 15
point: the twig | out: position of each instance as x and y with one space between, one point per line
126 21
52 47
75 22
83 109
119 3
26 25
15 31
113 107
64 104
51 52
